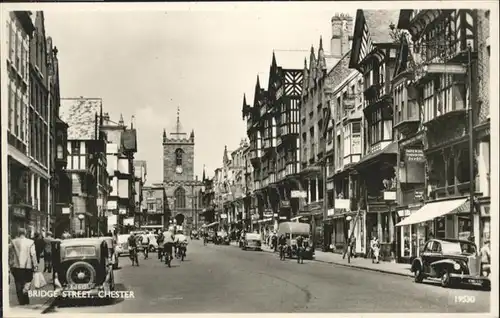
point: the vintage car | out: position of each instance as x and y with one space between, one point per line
122 245
252 241
83 264
222 238
450 260
110 241
292 230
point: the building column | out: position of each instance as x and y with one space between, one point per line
308 191
317 189
379 227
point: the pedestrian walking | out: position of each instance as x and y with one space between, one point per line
160 239
145 245
375 247
47 252
39 246
22 263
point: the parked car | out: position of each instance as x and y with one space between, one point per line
122 245
252 241
83 264
450 260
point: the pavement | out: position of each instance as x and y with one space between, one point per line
36 303
225 279
358 262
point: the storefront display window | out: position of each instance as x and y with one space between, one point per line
486 230
407 240
440 228
464 225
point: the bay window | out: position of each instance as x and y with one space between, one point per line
443 94
356 138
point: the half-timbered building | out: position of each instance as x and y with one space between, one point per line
447 41
86 146
373 54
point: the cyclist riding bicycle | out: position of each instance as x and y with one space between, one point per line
282 246
181 245
160 239
168 245
132 245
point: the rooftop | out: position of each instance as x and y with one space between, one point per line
80 115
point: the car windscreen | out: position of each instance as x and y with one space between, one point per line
457 248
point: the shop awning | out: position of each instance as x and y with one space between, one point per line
433 210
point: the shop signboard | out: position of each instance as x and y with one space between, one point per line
414 155
223 216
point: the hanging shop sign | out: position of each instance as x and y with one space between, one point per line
414 155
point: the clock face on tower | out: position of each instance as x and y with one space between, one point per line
178 169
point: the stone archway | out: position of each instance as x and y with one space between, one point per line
179 219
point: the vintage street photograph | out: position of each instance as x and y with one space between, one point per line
292 157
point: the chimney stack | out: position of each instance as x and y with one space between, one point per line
342 31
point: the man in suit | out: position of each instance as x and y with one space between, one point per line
22 263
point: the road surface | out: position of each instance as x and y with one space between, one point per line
229 280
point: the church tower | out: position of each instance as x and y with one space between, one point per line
178 154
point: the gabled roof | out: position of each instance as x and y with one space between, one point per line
379 32
378 22
340 71
80 115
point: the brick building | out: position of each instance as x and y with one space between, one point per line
20 28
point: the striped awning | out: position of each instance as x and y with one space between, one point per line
434 210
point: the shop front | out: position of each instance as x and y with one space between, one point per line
485 220
438 219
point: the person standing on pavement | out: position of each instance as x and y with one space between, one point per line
375 247
47 252
22 263
300 247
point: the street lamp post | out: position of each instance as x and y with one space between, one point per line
470 115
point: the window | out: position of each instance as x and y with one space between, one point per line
428 97
17 106
12 106
376 127
151 207
75 147
178 157
180 198
436 247
60 152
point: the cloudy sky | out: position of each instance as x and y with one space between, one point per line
199 58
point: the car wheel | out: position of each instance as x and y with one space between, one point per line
418 276
445 278
80 267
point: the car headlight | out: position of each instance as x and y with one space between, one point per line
456 266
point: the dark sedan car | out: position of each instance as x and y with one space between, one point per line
450 260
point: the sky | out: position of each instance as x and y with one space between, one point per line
146 64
